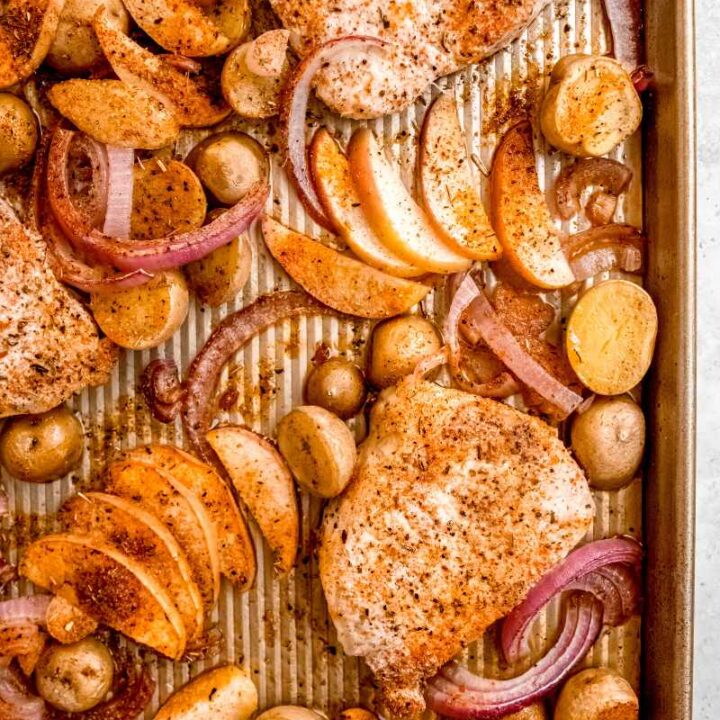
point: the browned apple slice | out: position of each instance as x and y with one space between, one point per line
341 282
331 176
397 220
448 188
521 216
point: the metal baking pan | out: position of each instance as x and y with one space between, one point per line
281 628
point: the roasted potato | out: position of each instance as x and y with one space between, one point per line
67 623
591 106
289 712
76 677
167 198
343 283
357 713
597 694
397 346
338 386
254 75
115 113
610 336
145 316
531 712
319 448
608 440
41 448
75 48
18 132
223 693
229 164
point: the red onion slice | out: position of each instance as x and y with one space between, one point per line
579 563
172 251
293 115
482 322
603 248
626 23
31 609
16 702
617 587
120 191
162 389
458 693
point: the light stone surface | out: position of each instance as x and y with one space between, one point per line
707 583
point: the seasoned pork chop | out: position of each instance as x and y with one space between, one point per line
458 506
427 39
49 344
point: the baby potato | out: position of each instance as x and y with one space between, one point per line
597 694
590 107
357 713
143 317
338 386
229 164
41 448
608 440
289 712
18 132
76 677
318 448
75 48
397 346
610 337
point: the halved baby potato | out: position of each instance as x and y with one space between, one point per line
264 483
319 449
341 282
115 114
67 623
108 585
236 553
145 316
610 336
141 536
160 494
591 106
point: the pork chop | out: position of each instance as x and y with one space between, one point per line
427 39
459 504
49 344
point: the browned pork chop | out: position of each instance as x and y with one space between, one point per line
429 38
458 506
49 344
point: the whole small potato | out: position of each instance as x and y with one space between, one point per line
41 448
289 712
18 132
228 165
608 440
397 346
76 677
531 712
357 713
338 386
597 694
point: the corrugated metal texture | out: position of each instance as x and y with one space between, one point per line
281 628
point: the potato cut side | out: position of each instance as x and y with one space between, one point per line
146 316
108 585
591 106
191 101
168 197
223 693
236 553
173 504
331 175
263 481
521 216
396 218
218 277
448 188
128 528
343 283
115 114
319 448
67 623
610 336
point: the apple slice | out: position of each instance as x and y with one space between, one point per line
447 186
521 216
343 283
330 171
396 218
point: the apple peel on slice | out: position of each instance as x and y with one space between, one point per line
447 186
521 217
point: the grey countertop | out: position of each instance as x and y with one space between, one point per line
707 600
